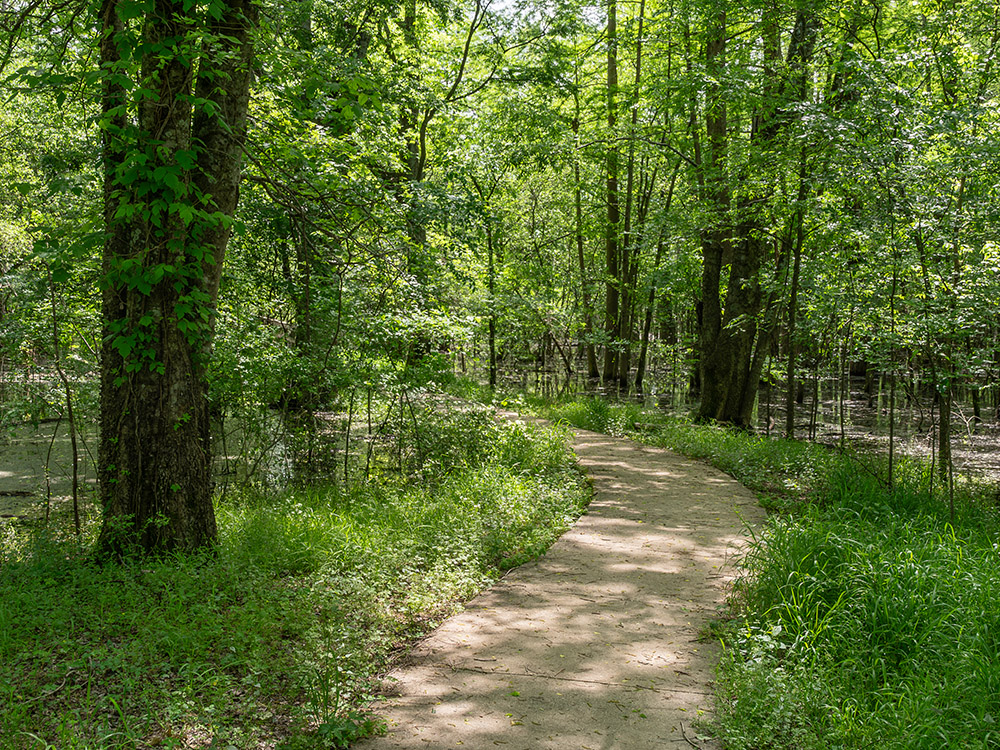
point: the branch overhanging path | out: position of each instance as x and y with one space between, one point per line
598 644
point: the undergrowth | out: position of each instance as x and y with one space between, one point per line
865 617
279 637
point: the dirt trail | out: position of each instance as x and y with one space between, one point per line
595 645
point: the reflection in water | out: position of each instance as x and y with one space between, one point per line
861 422
271 449
36 468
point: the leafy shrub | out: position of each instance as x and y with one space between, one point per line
282 633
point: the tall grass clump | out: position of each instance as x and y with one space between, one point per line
277 637
872 620
867 618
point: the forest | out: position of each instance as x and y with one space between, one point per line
267 269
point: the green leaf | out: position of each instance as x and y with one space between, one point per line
185 158
185 212
173 182
124 345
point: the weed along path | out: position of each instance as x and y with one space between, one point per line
598 644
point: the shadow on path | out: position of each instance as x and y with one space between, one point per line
595 645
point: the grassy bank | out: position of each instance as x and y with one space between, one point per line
280 637
865 617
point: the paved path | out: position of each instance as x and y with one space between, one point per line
597 644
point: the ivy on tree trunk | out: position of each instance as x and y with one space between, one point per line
174 101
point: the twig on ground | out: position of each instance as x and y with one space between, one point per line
688 740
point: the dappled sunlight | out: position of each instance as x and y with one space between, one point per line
598 644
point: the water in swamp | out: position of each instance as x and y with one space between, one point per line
271 450
854 413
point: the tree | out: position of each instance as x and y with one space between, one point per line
175 78
734 339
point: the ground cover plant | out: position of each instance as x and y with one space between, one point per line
865 616
870 622
279 636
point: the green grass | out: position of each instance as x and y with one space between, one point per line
871 620
864 617
281 635
784 473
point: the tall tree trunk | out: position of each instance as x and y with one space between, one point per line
730 336
593 373
611 249
714 239
647 324
162 269
491 281
892 353
485 193
631 255
412 127
640 371
793 304
410 113
631 240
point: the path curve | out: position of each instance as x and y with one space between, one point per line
596 644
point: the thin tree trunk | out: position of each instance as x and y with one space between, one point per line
640 370
944 426
844 384
611 248
631 241
585 284
347 437
68 392
933 437
630 281
814 410
714 377
790 343
492 324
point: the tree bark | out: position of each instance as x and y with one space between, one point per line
167 234
640 371
714 368
611 249
631 240
492 324
593 373
793 304
730 334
